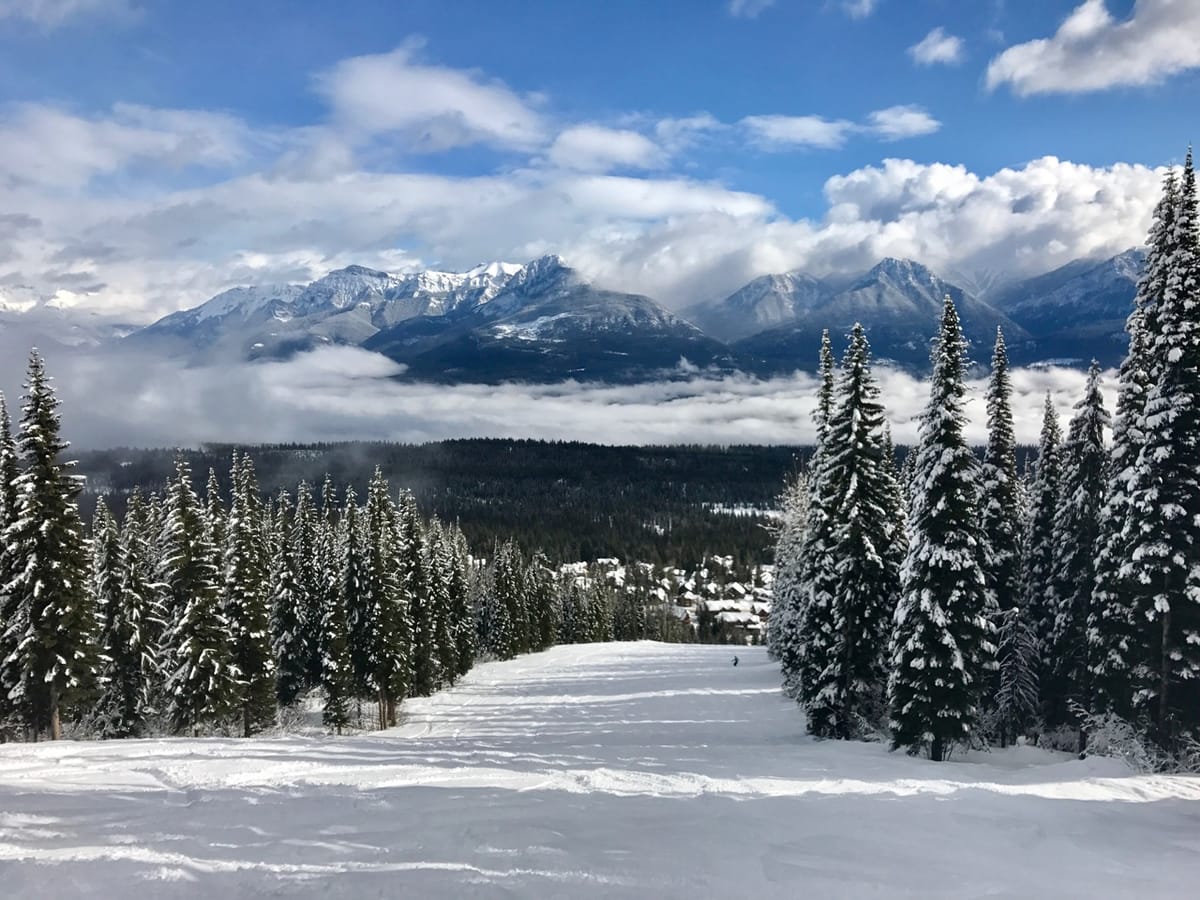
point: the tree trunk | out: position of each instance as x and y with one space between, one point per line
55 715
1164 675
245 720
935 749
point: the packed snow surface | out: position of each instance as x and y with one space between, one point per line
610 770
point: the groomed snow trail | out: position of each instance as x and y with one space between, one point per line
608 770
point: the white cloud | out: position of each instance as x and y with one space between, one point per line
676 134
430 107
50 146
595 148
53 13
898 122
781 132
748 9
785 132
1092 51
937 47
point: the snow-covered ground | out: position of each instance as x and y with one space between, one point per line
612 770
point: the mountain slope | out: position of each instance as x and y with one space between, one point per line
899 302
546 325
766 302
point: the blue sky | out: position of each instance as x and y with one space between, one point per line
159 151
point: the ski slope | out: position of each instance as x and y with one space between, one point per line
610 770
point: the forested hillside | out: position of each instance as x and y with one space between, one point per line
575 501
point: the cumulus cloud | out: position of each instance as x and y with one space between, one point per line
1093 51
346 393
936 48
54 13
431 107
782 132
788 132
595 148
898 122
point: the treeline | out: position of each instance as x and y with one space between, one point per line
214 611
574 501
952 601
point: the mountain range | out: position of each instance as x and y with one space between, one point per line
544 322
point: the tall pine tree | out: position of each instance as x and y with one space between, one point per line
943 641
50 629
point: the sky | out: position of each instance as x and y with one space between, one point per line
153 153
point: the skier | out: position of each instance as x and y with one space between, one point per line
735 662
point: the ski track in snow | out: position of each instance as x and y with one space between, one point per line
607 770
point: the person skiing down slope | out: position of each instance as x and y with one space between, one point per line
735 662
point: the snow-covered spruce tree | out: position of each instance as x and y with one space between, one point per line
804 656
50 629
786 604
943 644
420 607
1076 543
335 666
1001 515
1165 504
849 683
1037 564
1116 635
312 581
9 471
215 517
202 680
1017 693
507 606
543 603
289 640
461 608
357 599
435 562
122 594
246 600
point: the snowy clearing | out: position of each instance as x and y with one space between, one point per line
608 770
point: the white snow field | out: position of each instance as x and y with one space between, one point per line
609 770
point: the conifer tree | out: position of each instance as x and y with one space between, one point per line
308 554
394 529
246 600
942 644
123 594
9 472
1017 691
802 661
543 602
849 675
50 630
461 608
1165 503
214 510
437 563
1037 566
1076 542
289 641
202 684
1001 515
336 582
356 598
1116 636
787 603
